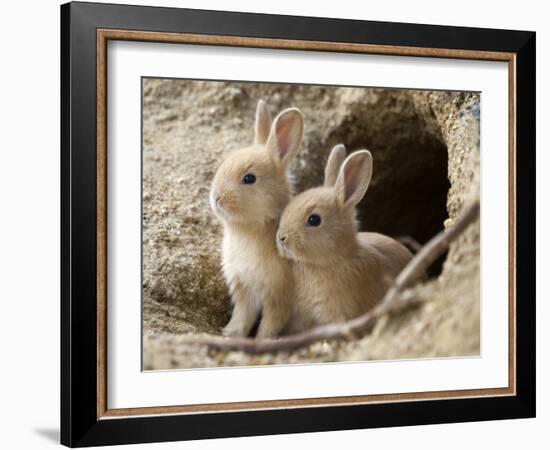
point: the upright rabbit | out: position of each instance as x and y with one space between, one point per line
249 193
339 273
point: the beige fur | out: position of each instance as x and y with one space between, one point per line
335 159
339 273
259 280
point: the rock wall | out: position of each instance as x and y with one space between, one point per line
426 167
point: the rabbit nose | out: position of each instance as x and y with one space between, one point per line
282 237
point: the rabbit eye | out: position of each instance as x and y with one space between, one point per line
314 220
249 178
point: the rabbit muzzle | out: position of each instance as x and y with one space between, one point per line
217 204
282 239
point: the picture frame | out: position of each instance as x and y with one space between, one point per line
86 418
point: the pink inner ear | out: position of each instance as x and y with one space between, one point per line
284 136
351 180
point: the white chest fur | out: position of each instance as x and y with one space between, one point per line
252 261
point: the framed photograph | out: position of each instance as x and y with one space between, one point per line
277 224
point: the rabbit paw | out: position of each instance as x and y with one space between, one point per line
234 329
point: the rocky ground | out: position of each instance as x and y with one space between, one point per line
426 168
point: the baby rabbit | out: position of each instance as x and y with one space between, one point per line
249 193
339 273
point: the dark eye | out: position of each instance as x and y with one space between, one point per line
249 178
314 220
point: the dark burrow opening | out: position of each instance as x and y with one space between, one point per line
407 196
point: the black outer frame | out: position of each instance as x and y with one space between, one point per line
79 423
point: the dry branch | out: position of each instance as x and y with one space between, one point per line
363 324
409 242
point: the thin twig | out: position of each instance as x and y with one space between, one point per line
409 242
433 249
363 324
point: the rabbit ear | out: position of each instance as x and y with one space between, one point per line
335 160
285 136
354 178
262 124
